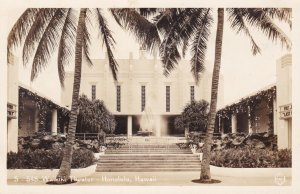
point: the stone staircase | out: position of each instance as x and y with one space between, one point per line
148 158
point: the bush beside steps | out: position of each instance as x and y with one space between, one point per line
48 159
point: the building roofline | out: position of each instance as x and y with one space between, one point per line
20 84
249 95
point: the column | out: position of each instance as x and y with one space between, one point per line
274 116
54 122
219 125
36 120
233 123
129 126
12 97
157 126
250 130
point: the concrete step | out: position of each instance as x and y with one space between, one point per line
148 152
145 169
148 158
149 165
143 157
149 146
146 149
195 161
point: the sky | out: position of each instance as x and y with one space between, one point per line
243 73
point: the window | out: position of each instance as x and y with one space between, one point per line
119 98
143 95
93 92
167 98
192 92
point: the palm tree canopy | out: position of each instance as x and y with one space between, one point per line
173 29
42 31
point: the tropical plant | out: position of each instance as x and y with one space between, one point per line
41 32
190 28
193 117
93 115
47 159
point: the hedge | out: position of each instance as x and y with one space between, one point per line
247 157
48 159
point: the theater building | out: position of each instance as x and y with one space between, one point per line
142 89
143 98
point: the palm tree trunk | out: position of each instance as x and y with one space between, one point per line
65 167
205 169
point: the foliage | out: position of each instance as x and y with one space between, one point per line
193 117
228 141
115 142
47 159
250 103
247 157
94 116
43 105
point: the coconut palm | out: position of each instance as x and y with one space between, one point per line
41 32
190 28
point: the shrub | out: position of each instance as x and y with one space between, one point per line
47 159
248 157
193 117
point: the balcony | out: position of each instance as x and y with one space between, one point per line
11 111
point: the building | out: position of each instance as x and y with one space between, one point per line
142 98
28 111
266 111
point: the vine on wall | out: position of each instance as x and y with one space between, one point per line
249 104
42 105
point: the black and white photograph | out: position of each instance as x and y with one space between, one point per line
185 95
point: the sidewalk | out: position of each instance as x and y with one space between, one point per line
158 179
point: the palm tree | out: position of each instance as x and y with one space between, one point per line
181 28
41 31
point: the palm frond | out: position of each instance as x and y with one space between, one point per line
144 31
87 38
199 44
148 12
238 24
282 14
20 29
259 19
48 42
181 30
36 31
108 41
66 45
184 47
163 21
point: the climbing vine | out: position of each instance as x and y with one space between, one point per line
43 105
249 104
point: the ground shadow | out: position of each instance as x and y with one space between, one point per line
212 181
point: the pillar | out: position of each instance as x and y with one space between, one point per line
275 117
219 125
36 120
233 123
129 126
13 98
157 126
54 122
250 130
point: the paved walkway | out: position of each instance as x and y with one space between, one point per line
158 179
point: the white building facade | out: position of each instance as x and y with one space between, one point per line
142 89
266 111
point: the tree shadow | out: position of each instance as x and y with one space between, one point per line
212 181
